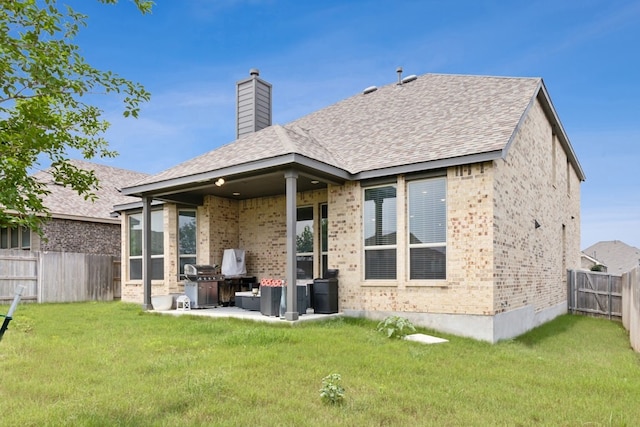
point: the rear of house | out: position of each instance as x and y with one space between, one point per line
453 201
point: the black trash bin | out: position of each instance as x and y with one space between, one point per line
325 295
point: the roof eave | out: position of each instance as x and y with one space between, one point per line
545 100
329 173
430 165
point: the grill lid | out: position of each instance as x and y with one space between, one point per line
196 272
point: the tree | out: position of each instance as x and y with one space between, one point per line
44 82
304 240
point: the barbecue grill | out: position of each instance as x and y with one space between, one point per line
200 272
201 285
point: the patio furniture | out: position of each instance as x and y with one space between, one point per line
248 301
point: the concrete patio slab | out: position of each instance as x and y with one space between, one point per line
239 313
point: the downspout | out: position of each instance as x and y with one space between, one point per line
146 252
291 178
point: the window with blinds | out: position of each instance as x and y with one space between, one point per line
427 220
380 231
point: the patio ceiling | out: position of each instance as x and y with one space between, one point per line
242 186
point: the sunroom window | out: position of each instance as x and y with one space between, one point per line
380 228
427 213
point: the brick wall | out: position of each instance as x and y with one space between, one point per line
468 288
63 235
263 232
532 184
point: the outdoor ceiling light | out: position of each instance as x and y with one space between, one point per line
220 182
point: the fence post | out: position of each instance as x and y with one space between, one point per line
610 302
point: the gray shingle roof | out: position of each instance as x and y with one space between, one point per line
616 255
65 202
432 118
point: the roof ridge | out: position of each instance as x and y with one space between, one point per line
307 133
284 139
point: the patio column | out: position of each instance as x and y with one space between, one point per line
291 178
146 252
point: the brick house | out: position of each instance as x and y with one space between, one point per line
451 200
78 225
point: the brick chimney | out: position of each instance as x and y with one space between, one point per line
253 104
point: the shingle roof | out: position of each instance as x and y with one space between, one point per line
66 202
431 118
616 255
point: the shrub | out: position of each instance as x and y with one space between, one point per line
396 327
332 391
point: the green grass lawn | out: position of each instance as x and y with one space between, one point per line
105 364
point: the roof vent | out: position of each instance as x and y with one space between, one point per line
370 89
408 79
399 71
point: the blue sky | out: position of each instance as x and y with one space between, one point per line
190 53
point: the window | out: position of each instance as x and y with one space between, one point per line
427 205
15 238
135 246
186 239
380 223
304 243
324 239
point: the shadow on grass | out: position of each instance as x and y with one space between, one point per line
558 326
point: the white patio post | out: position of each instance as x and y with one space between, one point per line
291 177
146 252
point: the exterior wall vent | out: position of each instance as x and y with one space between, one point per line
253 104
369 90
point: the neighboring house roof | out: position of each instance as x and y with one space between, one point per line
616 255
63 202
431 122
588 261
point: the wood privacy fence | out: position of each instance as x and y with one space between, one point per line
606 295
59 276
631 306
595 294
